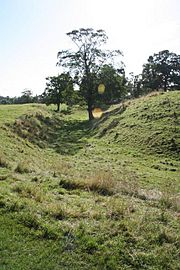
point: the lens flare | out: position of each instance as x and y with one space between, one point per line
101 88
97 113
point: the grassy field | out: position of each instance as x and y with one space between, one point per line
100 195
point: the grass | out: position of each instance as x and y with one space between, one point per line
151 124
105 195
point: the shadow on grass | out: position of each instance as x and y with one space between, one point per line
65 136
70 137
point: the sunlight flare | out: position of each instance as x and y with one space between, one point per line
101 88
97 113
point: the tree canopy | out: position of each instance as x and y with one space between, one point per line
86 62
58 89
162 71
115 83
90 65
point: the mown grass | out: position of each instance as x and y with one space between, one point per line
76 195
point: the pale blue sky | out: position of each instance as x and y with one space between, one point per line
33 31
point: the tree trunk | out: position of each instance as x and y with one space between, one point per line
58 107
165 84
90 114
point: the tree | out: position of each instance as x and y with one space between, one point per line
58 89
85 62
162 71
115 83
135 85
26 97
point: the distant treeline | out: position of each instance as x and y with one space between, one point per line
26 97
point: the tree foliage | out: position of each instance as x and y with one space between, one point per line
134 85
58 89
115 83
26 97
85 62
162 71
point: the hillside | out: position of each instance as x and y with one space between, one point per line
104 195
151 123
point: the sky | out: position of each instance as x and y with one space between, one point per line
33 31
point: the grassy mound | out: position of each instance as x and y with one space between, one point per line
38 128
151 123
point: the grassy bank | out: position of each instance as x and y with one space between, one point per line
103 195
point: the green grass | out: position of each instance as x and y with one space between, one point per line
150 124
80 195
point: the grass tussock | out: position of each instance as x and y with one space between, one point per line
11 204
42 228
117 209
170 198
23 167
4 177
170 201
129 185
31 191
60 167
3 162
30 219
56 210
100 181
